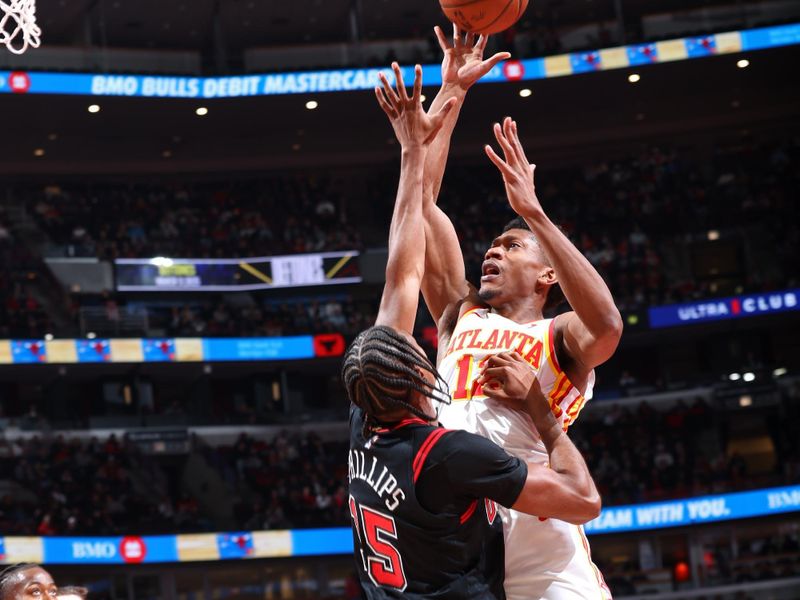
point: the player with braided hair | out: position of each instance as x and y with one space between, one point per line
422 498
381 367
26 581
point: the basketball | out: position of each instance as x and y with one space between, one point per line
484 16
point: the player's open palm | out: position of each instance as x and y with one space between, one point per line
463 62
411 124
517 172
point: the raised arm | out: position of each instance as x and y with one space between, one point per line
445 281
415 131
564 490
590 334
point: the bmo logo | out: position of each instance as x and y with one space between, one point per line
513 70
132 549
129 549
19 82
94 550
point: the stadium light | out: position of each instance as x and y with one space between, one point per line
713 235
94 108
312 104
734 377
91 335
201 111
422 98
38 152
161 261
743 63
525 92
48 337
633 77
780 371
749 376
745 401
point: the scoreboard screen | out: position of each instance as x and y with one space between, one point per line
162 274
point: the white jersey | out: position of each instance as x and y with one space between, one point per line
545 558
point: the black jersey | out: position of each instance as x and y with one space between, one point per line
422 500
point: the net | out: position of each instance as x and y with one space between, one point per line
18 28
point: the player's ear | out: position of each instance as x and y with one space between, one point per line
548 277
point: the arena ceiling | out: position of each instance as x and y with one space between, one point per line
586 115
195 24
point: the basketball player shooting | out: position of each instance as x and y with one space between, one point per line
521 275
422 498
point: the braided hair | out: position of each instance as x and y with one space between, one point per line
8 574
380 371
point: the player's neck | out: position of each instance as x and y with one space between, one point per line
524 311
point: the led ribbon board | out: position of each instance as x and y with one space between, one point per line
735 307
236 274
345 80
138 350
339 540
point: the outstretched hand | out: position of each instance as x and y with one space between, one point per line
516 170
463 62
412 126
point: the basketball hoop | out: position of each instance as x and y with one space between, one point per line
18 28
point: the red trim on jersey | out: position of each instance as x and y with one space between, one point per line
409 421
468 513
468 312
424 450
552 344
598 575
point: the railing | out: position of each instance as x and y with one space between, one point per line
118 322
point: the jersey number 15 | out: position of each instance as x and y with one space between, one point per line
380 559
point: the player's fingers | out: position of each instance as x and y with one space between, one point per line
506 358
438 118
417 83
505 145
507 129
399 83
498 373
498 162
491 62
443 43
384 104
514 148
495 391
470 41
514 139
499 359
456 36
390 94
482 41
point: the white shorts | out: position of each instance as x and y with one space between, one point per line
548 560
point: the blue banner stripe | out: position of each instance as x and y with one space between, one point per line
693 511
339 540
138 350
735 307
321 542
306 82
